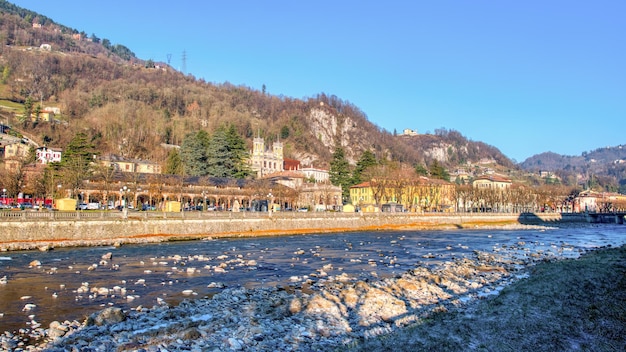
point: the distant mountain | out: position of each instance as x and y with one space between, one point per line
604 167
592 160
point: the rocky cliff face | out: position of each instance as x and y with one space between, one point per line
333 130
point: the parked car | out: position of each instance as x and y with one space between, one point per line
81 206
303 210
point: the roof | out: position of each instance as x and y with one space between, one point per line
291 164
493 178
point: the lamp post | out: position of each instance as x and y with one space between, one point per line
204 207
124 200
270 197
4 196
137 200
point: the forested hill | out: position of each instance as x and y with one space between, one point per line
600 157
133 107
608 163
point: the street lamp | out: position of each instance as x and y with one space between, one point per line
204 207
4 196
123 196
271 202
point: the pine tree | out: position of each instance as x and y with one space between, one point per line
367 159
194 153
174 164
339 172
76 162
238 153
438 171
219 162
421 170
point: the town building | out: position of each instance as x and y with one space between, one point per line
590 201
409 132
47 155
266 161
16 151
130 165
317 174
492 181
418 195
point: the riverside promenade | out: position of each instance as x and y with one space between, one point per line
46 230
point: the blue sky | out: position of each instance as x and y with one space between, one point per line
524 76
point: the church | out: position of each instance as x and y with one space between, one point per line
264 161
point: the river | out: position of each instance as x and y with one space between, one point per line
72 283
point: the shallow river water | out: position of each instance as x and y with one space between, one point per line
72 283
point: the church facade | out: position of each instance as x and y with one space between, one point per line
266 161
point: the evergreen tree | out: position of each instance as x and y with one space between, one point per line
421 170
367 159
438 171
238 153
79 151
28 108
219 161
174 164
194 153
339 172
76 162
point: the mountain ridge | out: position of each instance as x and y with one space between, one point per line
130 107
93 84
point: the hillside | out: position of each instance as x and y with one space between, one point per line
604 165
131 107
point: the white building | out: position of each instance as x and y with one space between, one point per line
47 155
319 175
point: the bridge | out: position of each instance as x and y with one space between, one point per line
606 218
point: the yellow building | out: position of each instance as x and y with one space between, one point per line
491 182
128 165
361 194
16 150
419 194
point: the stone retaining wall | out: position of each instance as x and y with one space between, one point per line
37 234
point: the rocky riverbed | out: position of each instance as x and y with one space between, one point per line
315 315
565 305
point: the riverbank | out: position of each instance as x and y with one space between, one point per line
566 305
108 228
327 313
480 304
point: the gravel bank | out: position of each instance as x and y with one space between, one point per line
567 305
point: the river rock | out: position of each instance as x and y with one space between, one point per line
57 330
295 306
377 305
109 315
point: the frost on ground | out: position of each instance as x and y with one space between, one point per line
567 305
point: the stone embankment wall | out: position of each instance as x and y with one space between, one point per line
29 234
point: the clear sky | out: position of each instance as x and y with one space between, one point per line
524 76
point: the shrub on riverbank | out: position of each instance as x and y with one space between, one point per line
562 306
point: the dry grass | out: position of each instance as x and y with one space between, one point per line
568 305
